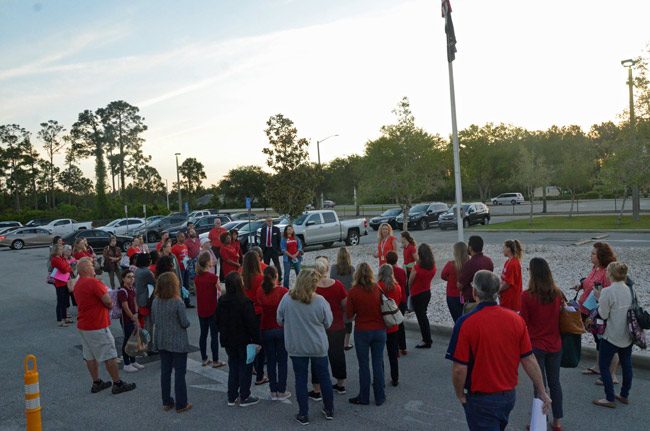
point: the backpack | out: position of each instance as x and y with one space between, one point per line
116 311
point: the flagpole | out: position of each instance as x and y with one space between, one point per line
454 132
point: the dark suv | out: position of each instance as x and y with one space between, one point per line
387 216
472 213
202 225
152 232
422 216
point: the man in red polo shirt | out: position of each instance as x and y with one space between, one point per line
477 262
487 346
93 324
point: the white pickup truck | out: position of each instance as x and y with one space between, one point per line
324 227
64 226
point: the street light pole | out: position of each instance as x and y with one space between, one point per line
178 184
636 196
320 169
167 192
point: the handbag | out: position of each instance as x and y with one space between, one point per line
571 350
390 311
595 324
571 318
634 324
642 317
136 345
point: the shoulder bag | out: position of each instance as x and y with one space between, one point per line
570 318
390 311
634 323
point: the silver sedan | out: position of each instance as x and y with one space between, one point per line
26 236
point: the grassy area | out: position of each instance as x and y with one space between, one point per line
605 222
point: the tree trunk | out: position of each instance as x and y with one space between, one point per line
544 199
573 196
620 214
405 222
122 174
531 193
636 203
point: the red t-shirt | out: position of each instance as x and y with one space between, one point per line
236 245
152 268
128 296
131 251
511 297
215 236
422 281
334 295
193 247
256 285
180 251
491 341
383 247
61 266
92 314
263 266
365 307
159 246
269 306
396 295
228 254
450 275
543 321
409 251
206 293
402 279
597 275
292 245
81 254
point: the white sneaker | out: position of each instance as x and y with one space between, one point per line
138 366
281 396
130 369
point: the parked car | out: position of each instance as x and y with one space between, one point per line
422 216
10 224
329 204
98 239
38 222
508 199
123 225
26 236
248 236
151 232
242 216
64 226
387 216
324 227
472 213
280 222
153 218
195 215
202 225
9 229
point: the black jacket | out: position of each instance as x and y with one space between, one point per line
276 236
237 322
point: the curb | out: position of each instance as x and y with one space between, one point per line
563 230
638 359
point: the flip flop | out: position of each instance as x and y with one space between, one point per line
604 403
590 371
599 382
218 364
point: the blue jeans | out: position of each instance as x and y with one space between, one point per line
288 265
373 343
240 374
489 412
177 362
549 363
276 359
605 355
209 324
320 366
127 326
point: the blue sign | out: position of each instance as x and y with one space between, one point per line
186 207
248 203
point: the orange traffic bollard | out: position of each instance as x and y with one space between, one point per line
32 395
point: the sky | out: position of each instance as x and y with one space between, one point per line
208 74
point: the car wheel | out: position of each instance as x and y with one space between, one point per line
512 202
423 224
126 245
353 238
443 227
17 244
152 237
466 222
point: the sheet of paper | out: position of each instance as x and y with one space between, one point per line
150 289
537 416
591 302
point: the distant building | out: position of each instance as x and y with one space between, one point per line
551 191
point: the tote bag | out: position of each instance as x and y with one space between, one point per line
571 350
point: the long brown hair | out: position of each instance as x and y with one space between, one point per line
363 276
407 236
515 248
387 276
250 269
461 256
270 275
344 262
425 257
305 286
604 253
541 283
168 286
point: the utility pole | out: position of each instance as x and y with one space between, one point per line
636 195
320 169
178 185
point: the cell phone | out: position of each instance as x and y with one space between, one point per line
598 286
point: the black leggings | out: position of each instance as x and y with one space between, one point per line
336 356
392 350
420 305
62 302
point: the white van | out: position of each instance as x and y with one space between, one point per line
508 199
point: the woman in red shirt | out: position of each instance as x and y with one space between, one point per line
389 286
291 247
410 255
61 277
272 335
541 304
420 282
253 278
207 294
511 284
134 249
450 275
235 244
385 242
364 304
229 257
335 294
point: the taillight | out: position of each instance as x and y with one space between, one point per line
365 222
2 237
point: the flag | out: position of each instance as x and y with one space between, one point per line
449 30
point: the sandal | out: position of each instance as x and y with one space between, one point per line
599 382
218 364
604 403
590 371
261 382
623 400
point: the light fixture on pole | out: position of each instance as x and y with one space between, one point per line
636 195
167 192
320 169
178 185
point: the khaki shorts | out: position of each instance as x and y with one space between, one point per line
98 345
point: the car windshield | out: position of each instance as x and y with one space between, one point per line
453 209
300 220
392 212
419 208
250 227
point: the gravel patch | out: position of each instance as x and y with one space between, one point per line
568 263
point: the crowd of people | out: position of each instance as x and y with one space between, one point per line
262 320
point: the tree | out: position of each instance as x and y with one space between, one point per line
531 170
15 160
74 182
192 174
244 181
87 137
53 142
292 185
342 178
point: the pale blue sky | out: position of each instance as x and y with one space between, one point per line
208 74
